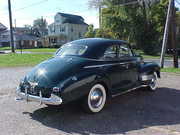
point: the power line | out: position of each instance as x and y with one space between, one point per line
31 5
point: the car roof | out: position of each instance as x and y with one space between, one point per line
97 41
96 46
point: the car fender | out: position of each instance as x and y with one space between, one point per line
78 86
149 68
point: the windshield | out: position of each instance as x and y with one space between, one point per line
70 49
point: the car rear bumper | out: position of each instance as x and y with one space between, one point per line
53 100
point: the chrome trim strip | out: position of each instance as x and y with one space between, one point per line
53 100
129 90
103 65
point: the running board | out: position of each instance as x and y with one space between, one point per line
129 90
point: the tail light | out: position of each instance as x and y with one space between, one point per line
56 89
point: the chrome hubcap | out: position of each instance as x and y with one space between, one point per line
96 98
153 83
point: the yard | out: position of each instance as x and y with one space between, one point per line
13 60
31 50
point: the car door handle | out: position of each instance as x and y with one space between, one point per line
125 66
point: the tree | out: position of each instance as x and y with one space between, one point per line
40 27
141 24
91 32
27 26
103 33
95 3
40 23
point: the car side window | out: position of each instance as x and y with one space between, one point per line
111 53
124 51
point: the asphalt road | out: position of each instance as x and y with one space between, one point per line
137 113
167 63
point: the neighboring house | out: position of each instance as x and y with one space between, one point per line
22 30
22 38
5 38
3 35
26 41
66 27
2 27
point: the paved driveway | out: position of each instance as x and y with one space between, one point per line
136 113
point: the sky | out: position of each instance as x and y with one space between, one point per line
25 11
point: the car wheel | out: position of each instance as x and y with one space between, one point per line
152 86
96 99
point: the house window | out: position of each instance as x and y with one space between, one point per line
53 40
80 35
22 42
62 29
30 42
52 29
72 30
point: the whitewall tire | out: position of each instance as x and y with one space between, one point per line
96 99
152 86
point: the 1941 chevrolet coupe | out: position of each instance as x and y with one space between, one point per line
91 70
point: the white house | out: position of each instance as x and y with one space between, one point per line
66 27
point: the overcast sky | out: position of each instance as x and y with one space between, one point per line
25 11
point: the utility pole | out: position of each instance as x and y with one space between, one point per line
173 35
100 16
11 28
166 33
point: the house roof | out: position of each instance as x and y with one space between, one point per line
2 27
25 37
74 19
5 37
20 28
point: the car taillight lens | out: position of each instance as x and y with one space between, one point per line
56 89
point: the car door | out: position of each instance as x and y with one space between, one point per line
129 66
116 68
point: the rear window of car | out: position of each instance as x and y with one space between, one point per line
72 50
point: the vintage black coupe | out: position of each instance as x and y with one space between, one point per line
90 70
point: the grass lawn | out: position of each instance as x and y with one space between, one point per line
39 50
155 57
31 50
171 70
4 48
12 60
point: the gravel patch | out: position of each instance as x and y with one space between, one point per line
136 113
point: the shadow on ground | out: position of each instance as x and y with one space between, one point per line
133 111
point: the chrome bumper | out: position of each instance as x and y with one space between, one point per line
53 100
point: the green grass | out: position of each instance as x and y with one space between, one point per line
13 60
39 50
31 50
155 57
171 70
4 48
